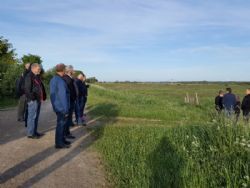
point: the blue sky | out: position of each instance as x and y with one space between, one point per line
149 40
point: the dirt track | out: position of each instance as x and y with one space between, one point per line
36 163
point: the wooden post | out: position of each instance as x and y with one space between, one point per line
197 99
188 98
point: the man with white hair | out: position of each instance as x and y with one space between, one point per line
35 93
69 71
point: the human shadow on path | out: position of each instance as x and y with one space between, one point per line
11 129
90 139
166 166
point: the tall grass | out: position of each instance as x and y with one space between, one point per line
189 147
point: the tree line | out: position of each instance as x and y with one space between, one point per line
11 68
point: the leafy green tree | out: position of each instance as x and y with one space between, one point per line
48 75
92 80
7 56
8 83
77 72
30 58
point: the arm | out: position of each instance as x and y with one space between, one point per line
28 88
63 97
44 91
76 88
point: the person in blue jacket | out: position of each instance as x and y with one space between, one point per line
229 102
60 100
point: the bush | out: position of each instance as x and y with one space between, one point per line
7 84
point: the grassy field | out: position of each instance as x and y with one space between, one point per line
151 138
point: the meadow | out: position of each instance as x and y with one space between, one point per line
151 138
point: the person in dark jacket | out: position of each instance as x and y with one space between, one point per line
237 108
245 106
22 104
80 99
85 97
69 71
218 101
35 93
60 100
229 102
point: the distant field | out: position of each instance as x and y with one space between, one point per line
153 139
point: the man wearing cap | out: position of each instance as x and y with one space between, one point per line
60 100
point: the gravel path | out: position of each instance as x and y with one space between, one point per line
36 163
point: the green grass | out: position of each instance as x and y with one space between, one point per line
8 102
151 138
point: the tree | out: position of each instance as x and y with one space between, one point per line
7 85
7 56
92 80
77 72
47 76
30 58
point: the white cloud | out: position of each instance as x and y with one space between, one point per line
91 32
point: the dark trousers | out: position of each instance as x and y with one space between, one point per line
21 108
79 108
69 120
84 104
246 116
26 115
60 127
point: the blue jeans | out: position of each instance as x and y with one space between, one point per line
33 116
60 128
229 112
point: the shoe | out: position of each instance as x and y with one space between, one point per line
67 142
70 136
72 125
33 137
39 134
62 147
84 124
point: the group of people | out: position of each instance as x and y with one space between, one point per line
231 104
67 95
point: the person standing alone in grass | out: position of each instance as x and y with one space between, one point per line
60 100
229 102
245 106
218 102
